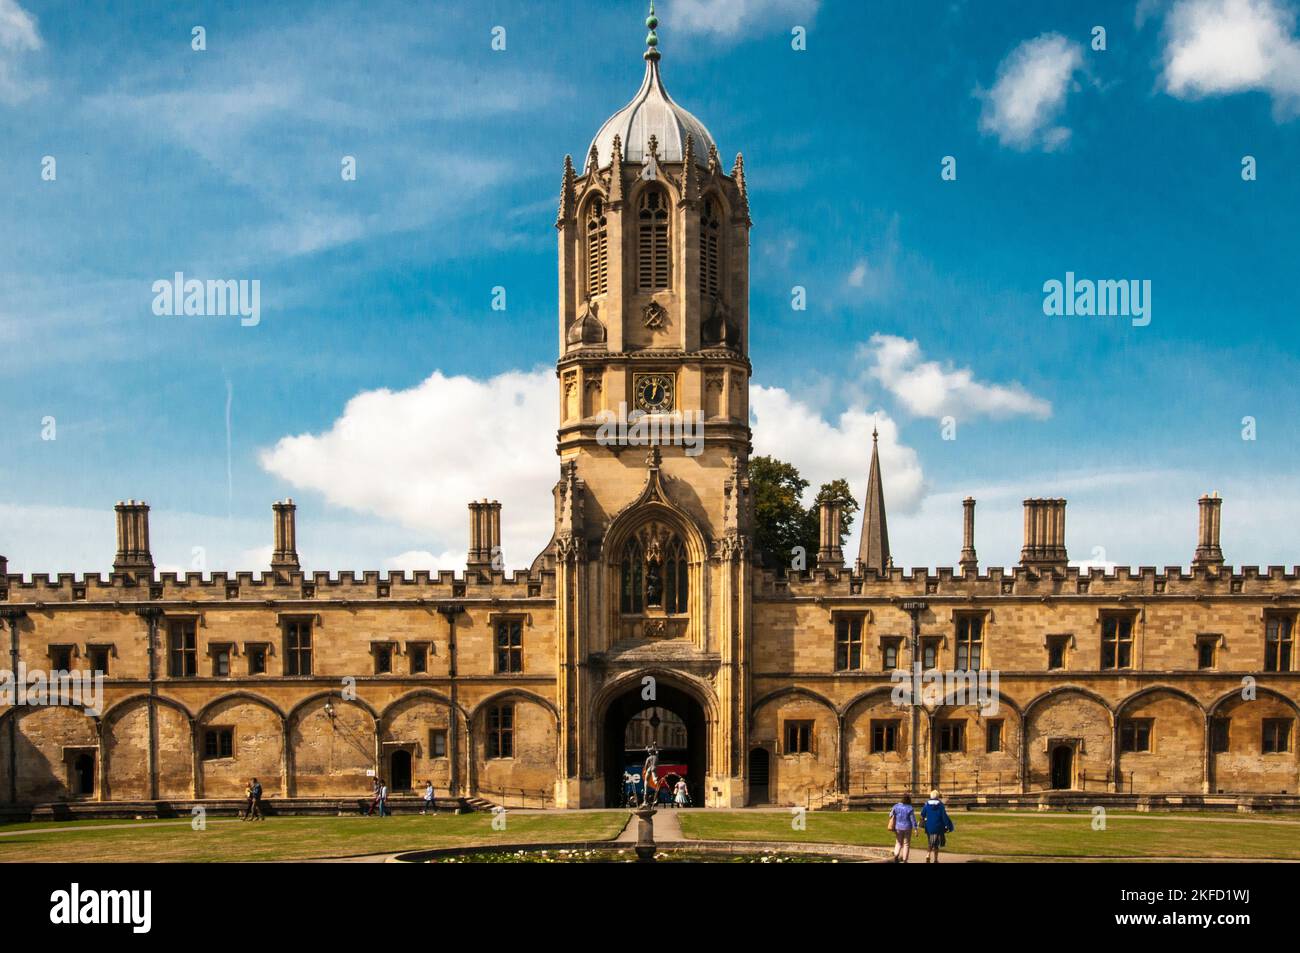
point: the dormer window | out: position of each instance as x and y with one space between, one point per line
652 240
710 249
597 249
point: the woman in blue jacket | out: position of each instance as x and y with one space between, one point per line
937 823
902 821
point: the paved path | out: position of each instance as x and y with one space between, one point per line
667 828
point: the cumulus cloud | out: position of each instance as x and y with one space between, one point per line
1029 94
822 450
418 456
18 35
726 19
1220 47
935 390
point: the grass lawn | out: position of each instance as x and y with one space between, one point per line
289 838
1044 835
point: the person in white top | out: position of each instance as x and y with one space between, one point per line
428 797
679 792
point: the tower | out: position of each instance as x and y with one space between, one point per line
651 543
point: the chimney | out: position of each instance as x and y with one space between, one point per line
829 553
133 554
484 534
284 558
4 569
969 561
1044 535
1208 553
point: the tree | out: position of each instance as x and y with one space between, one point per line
781 522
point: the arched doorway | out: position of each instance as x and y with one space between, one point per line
399 773
674 720
759 761
83 774
1063 767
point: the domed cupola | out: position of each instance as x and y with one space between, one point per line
651 113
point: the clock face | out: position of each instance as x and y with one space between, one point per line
653 392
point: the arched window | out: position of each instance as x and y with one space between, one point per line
654 574
652 240
597 250
710 249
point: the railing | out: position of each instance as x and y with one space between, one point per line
982 782
522 796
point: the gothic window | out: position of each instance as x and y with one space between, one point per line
1277 644
182 655
597 250
652 240
848 643
1117 641
710 249
654 573
501 731
297 647
510 646
970 642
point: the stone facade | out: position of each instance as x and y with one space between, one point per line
649 594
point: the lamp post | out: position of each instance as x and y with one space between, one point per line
914 609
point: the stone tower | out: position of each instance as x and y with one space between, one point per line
651 540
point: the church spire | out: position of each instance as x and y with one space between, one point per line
873 550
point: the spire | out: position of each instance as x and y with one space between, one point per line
567 197
873 550
652 38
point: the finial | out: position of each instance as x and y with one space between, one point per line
652 38
875 432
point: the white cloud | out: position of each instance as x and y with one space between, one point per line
418 456
416 559
1220 47
1029 94
18 35
790 430
726 19
931 389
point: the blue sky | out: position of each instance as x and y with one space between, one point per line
382 391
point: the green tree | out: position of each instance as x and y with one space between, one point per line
781 522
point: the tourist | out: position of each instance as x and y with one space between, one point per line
383 798
679 793
902 821
255 804
247 812
937 823
428 798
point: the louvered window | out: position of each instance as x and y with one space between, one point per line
710 250
597 250
652 241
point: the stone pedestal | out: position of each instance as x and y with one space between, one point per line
645 835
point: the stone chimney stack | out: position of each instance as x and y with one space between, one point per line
969 561
829 553
1044 547
133 555
1208 553
484 534
284 557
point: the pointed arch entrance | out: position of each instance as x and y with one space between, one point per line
674 719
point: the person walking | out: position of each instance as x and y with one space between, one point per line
374 797
383 798
247 812
428 798
255 805
679 793
902 821
937 823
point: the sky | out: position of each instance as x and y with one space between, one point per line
921 172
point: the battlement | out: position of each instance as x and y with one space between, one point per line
345 585
997 582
